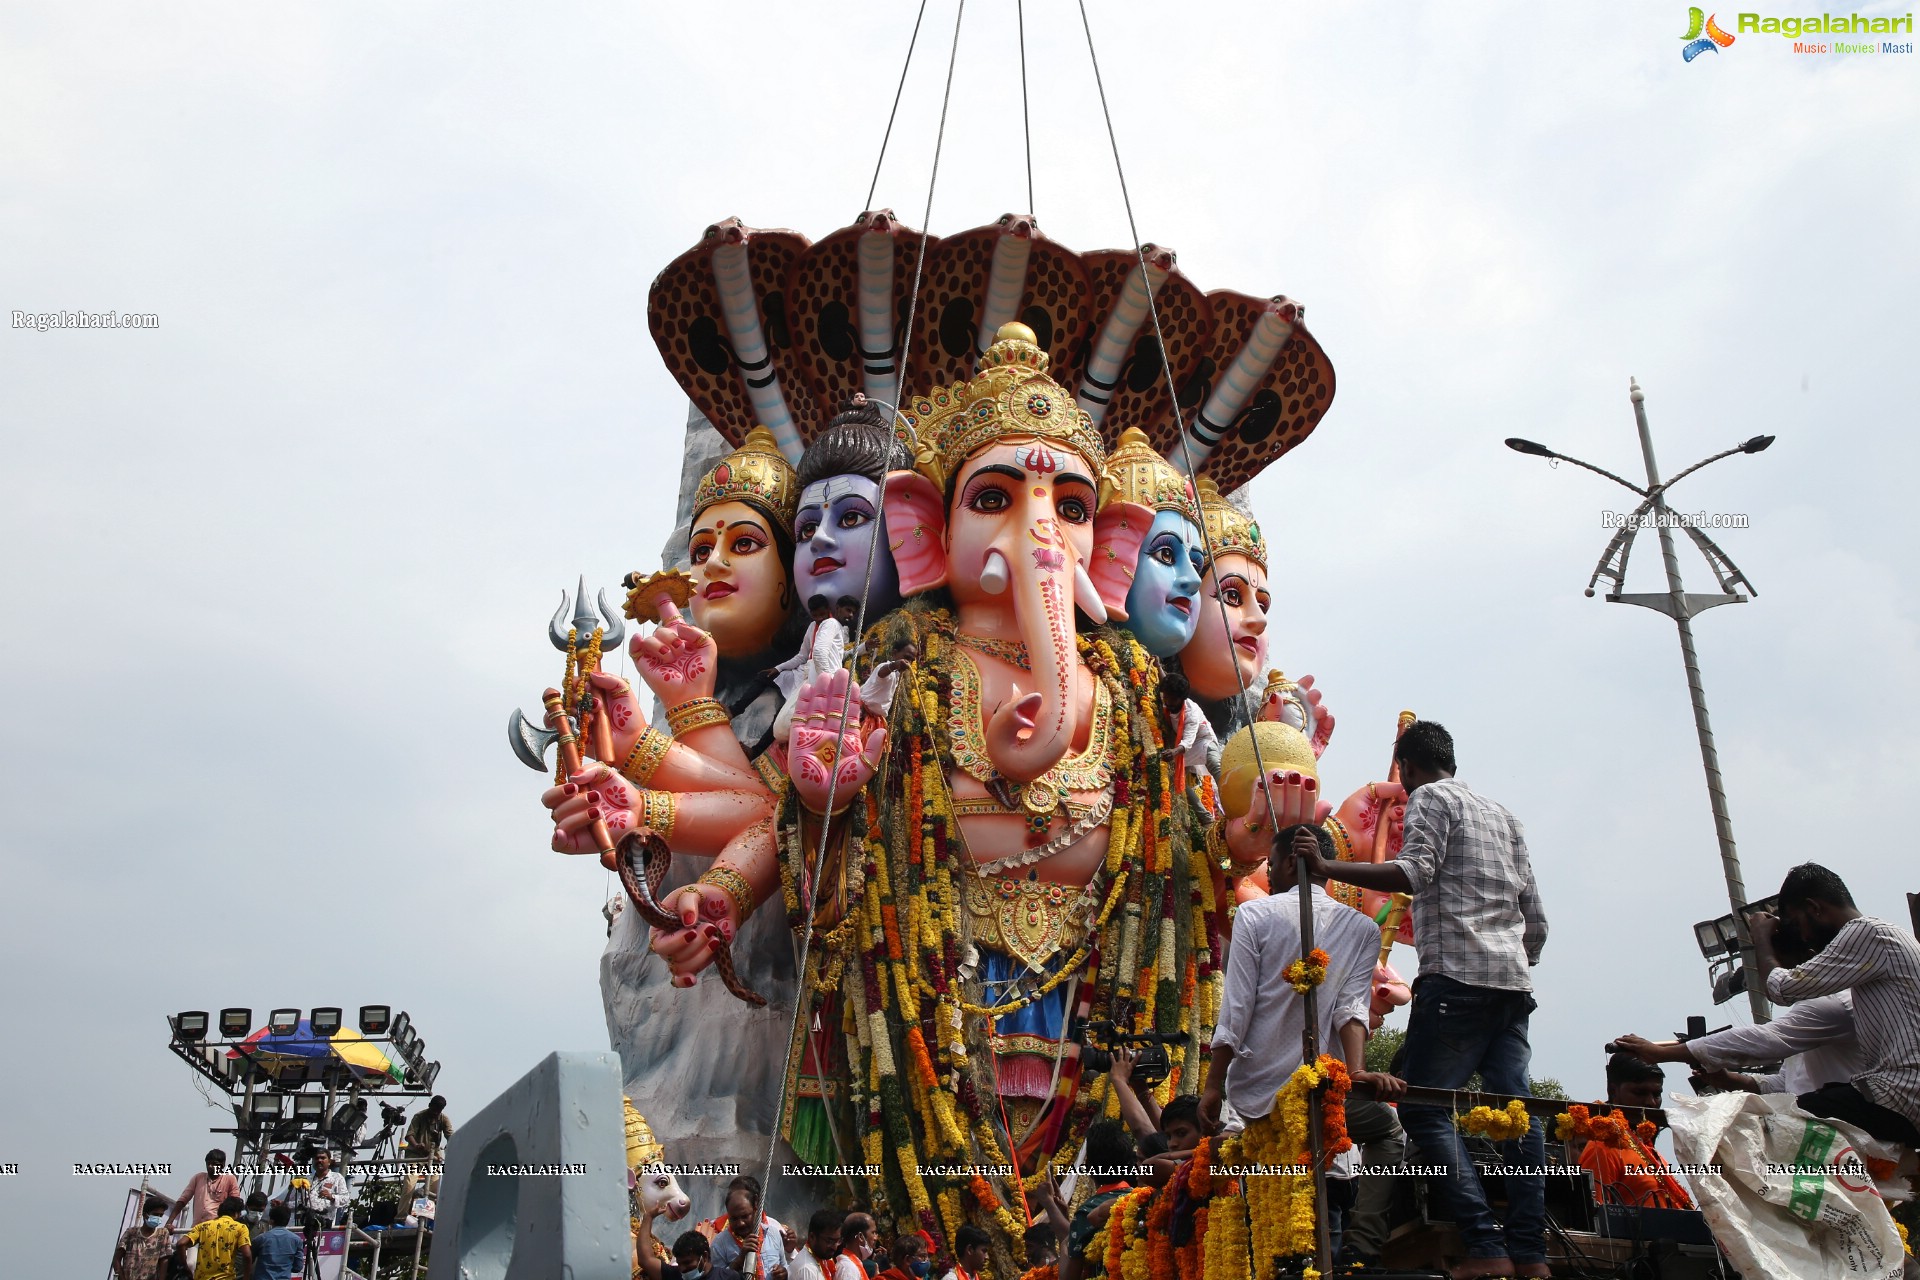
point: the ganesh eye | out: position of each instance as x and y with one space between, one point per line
1073 510
989 499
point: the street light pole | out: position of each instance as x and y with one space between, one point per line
1682 614
1677 604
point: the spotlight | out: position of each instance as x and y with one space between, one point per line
324 1022
190 1028
266 1106
235 1023
402 1025
283 1022
347 1121
309 1106
432 1074
375 1019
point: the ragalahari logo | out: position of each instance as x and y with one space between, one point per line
1703 35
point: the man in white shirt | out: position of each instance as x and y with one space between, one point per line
823 1244
329 1195
1813 1041
1258 1039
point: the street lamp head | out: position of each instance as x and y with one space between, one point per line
1518 445
1756 444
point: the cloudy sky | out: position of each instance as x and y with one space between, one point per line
276 571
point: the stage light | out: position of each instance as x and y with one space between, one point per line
309 1106
348 1119
375 1019
402 1025
235 1023
266 1106
283 1022
191 1027
1729 984
325 1021
432 1074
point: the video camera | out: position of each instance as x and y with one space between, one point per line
391 1116
1100 1037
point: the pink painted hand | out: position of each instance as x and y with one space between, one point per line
1286 798
625 720
595 792
825 753
1316 722
707 917
676 658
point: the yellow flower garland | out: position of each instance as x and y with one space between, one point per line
1501 1126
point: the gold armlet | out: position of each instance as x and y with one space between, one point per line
697 713
644 760
657 812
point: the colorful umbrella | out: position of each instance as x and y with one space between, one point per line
278 1053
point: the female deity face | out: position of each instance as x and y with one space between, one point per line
836 535
1021 516
1222 654
741 593
1163 606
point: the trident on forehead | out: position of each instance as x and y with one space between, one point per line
530 740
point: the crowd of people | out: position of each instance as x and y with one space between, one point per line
1847 1045
262 1237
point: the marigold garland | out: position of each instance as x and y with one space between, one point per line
1503 1125
1048 1272
1305 975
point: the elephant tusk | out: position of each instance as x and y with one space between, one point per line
1087 596
995 575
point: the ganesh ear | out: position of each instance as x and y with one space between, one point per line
916 531
1118 531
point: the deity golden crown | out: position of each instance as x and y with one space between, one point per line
1010 398
642 1147
1135 473
1229 529
757 474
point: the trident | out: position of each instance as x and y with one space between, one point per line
530 742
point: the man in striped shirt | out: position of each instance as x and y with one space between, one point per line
1880 964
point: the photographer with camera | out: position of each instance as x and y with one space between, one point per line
1175 1126
425 1132
1260 1037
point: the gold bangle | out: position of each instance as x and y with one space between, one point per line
697 713
735 886
657 813
644 760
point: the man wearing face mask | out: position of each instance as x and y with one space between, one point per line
143 1248
857 1235
909 1256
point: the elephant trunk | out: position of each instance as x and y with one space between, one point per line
1028 734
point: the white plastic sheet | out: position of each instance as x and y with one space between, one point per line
1787 1195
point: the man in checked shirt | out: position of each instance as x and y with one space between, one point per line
1479 927
1880 964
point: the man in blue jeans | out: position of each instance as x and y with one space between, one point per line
1479 927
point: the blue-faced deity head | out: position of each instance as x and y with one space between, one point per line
839 543
1163 605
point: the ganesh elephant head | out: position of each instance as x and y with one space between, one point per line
1020 545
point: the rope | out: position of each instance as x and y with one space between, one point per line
1026 117
866 586
1173 397
898 90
